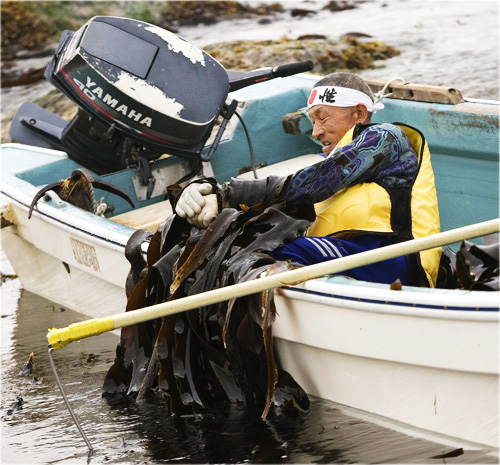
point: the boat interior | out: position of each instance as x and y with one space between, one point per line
465 167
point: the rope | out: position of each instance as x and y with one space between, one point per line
381 93
72 413
90 192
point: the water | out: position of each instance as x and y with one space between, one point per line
443 42
43 431
453 43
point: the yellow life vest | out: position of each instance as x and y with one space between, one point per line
369 207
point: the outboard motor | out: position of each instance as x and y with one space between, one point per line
142 91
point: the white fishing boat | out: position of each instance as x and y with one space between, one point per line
424 358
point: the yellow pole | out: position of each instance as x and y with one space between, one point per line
58 338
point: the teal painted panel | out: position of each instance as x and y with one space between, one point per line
271 144
49 173
61 169
467 190
465 129
40 175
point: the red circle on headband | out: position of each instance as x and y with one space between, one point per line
312 96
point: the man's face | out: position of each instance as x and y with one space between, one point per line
331 123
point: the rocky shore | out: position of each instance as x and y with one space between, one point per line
327 55
31 29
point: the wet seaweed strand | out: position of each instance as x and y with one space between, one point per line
206 358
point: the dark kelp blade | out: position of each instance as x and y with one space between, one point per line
244 333
54 186
208 240
205 358
477 266
268 319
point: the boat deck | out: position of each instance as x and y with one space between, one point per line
151 216
148 217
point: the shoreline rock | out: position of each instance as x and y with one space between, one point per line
192 13
340 5
22 29
26 35
327 55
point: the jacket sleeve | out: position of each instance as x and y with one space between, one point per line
250 192
237 192
381 153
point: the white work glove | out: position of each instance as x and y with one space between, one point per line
198 205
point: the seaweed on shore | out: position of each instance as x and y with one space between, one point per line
328 56
189 13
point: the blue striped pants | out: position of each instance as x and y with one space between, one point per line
310 250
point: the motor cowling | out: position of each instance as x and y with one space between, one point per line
142 81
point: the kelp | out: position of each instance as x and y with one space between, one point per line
78 190
217 354
477 266
472 267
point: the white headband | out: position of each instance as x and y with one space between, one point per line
341 97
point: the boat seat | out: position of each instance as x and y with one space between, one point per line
149 217
286 167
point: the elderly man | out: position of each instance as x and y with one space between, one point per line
374 187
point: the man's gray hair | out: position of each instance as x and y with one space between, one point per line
349 80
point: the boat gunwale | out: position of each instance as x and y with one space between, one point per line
46 211
341 295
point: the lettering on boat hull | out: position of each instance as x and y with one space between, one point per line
85 254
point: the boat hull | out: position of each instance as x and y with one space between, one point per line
67 285
436 369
